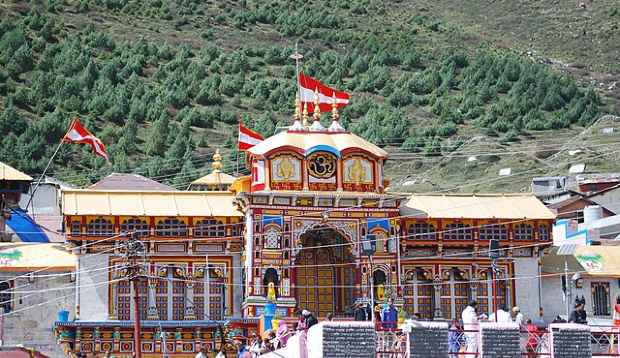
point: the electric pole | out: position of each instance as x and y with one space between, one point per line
135 250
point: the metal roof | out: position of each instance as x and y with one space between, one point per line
148 203
7 172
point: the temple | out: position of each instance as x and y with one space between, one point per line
295 224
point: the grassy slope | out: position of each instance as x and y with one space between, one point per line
443 172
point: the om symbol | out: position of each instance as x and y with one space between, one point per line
322 165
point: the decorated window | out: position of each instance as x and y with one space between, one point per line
272 238
76 227
285 168
210 228
137 225
171 227
523 232
123 300
100 227
357 174
543 233
457 231
600 298
496 231
422 231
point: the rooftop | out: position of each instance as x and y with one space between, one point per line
27 256
122 181
7 172
307 142
479 206
148 203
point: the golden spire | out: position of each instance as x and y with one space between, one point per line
317 108
305 115
335 114
217 161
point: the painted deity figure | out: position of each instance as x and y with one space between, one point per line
271 291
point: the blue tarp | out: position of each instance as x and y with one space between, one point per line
25 228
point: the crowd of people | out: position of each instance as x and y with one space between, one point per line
385 316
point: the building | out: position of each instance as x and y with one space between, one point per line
13 184
31 274
291 232
216 180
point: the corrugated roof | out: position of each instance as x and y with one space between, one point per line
305 141
122 181
148 203
513 206
25 256
215 178
7 172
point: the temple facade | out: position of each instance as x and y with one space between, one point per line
292 229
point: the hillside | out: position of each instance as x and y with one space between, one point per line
163 83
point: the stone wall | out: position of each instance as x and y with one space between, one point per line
31 322
428 340
526 291
93 293
499 340
570 340
342 340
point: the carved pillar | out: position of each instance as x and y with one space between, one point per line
189 299
151 312
437 281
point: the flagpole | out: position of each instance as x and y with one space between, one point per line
297 56
47 167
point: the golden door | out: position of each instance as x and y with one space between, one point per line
315 282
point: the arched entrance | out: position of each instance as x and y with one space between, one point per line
324 273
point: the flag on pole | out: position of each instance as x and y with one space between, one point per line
248 138
307 86
78 134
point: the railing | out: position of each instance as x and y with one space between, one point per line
535 344
391 343
604 341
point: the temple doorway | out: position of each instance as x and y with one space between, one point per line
325 273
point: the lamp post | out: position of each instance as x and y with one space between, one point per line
369 246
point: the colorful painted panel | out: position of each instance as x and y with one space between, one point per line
285 168
357 170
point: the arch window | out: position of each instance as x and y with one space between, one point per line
171 227
457 231
499 232
100 227
210 228
137 225
422 231
272 238
523 232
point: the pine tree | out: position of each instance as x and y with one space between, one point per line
156 140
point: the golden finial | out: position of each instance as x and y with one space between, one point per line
317 107
335 114
305 114
297 114
217 161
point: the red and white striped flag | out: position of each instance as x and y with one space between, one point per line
248 138
308 85
78 134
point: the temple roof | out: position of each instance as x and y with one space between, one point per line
307 142
123 181
148 203
215 178
478 206
28 256
7 172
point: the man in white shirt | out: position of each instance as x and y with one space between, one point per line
470 326
503 316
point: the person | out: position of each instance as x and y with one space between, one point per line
359 314
255 345
301 322
502 315
310 319
578 315
518 316
329 317
282 334
532 339
469 316
221 354
202 353
389 315
454 339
